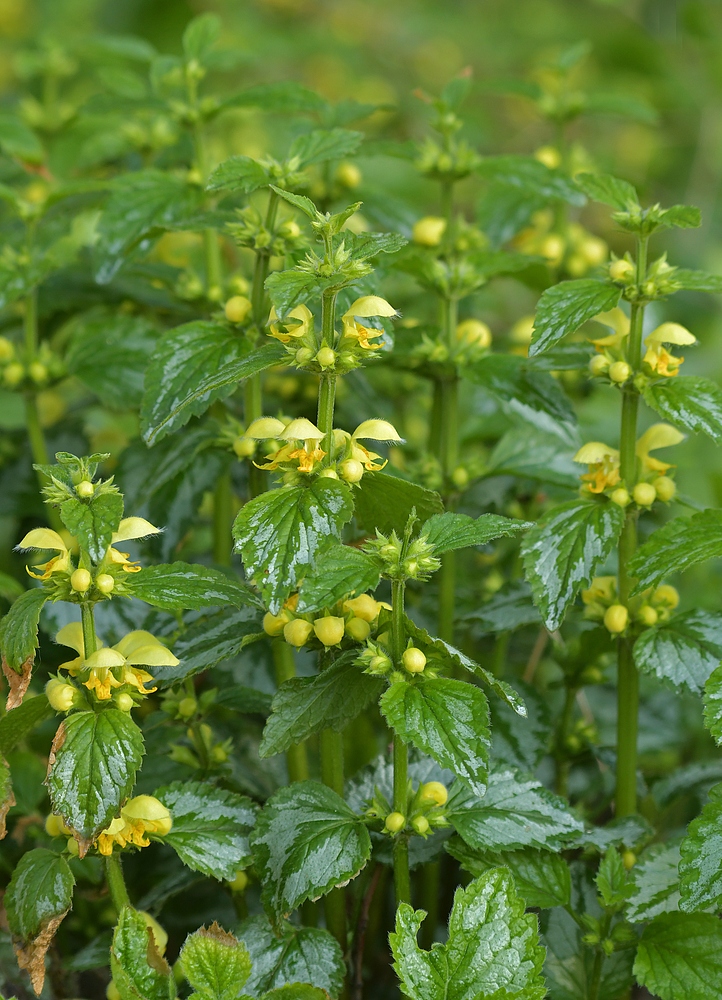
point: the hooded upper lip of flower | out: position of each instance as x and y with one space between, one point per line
284 330
45 538
140 815
130 528
659 359
371 430
618 321
298 430
657 436
367 307
603 463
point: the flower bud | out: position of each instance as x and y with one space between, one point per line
621 271
124 701
239 883
364 606
351 470
237 308
552 247
599 364
629 860
244 447
413 660
7 350
328 474
620 496
647 615
619 372
348 175
474 333
644 494
13 374
549 156
60 694
274 624
55 826
38 372
616 618
429 231
85 489
303 355
420 824
665 488
72 847
297 632
667 595
80 580
434 792
105 583
187 707
395 822
329 630
460 477
326 357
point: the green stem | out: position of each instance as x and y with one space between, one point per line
430 891
332 776
116 882
260 270
562 761
211 245
448 459
402 880
627 676
285 669
326 403
222 518
90 641
596 976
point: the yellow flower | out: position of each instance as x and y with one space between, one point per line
45 538
141 815
368 306
129 529
603 589
305 458
603 463
656 436
615 320
298 323
657 357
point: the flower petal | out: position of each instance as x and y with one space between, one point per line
301 429
265 428
134 527
671 333
72 635
377 430
152 656
43 538
105 658
134 640
658 436
595 451
370 305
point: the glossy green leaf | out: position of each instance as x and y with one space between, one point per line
109 353
690 402
211 640
280 533
492 950
322 145
210 828
239 173
613 881
181 585
514 813
306 705
655 879
16 724
306 841
292 955
509 608
563 308
520 741
698 281
299 201
139 971
215 963
449 531
607 189
344 572
676 546
295 991
193 366
532 454
712 704
683 651
384 502
287 289
681 217
541 878
19 628
680 956
700 867
93 521
92 768
445 718
564 551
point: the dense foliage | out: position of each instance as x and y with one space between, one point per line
394 692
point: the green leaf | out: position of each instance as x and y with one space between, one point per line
210 827
681 217
384 502
680 956
509 608
179 585
565 549
712 705
19 628
691 402
211 640
93 763
246 700
513 813
215 963
306 841
193 366
19 722
698 281
286 95
239 173
700 867
279 534
563 308
541 878
344 572
684 650
293 955
612 879
676 546
492 950
655 879
306 705
200 35
295 991
445 718
570 964
530 177
139 971
109 353
533 454
624 105
93 522
322 145
287 289
521 741
448 531
299 201
10 588
365 246
608 189
17 140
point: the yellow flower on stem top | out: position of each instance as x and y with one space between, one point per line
301 459
130 528
603 463
657 358
112 667
351 453
141 815
367 307
46 538
656 436
297 324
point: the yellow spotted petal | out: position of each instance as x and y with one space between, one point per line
72 635
658 436
265 428
377 430
43 538
671 333
370 305
595 451
152 656
105 659
301 430
133 527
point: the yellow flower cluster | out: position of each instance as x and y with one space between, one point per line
611 357
652 482
140 816
601 603
352 619
573 247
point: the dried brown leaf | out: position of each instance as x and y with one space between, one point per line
18 682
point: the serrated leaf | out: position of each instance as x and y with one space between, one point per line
680 956
295 991
563 308
324 144
690 402
445 718
239 173
541 878
365 246
681 217
608 189
514 813
93 522
92 768
16 724
306 841
518 741
344 572
625 105
509 608
299 201
279 534
684 650
448 532
215 963
698 281
492 950
384 502
139 970
19 628
306 705
179 585
564 550
700 867
570 965
612 880
676 546
712 704
109 353
193 366
530 176
655 879
210 828
287 289
293 955
212 640
531 454
246 700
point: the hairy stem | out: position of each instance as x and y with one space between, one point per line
562 760
402 881
332 775
116 882
285 669
90 640
222 518
448 459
